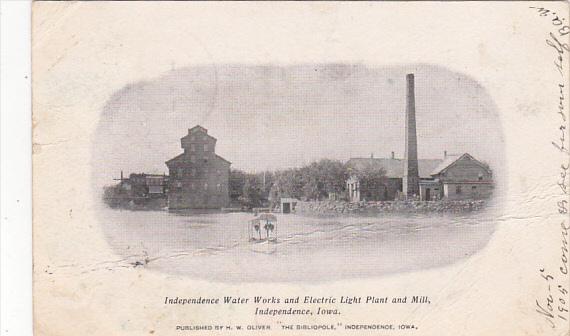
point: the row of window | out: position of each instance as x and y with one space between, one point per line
193 172
194 186
459 189
193 137
193 147
479 176
193 158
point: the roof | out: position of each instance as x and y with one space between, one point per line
395 167
197 129
221 158
451 159
445 163
176 158
181 157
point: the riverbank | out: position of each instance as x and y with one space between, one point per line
341 207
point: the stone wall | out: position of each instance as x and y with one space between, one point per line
340 207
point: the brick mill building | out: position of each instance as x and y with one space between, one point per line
198 178
453 177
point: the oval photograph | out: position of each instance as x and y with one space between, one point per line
307 172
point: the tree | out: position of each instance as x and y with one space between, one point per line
114 196
236 184
372 179
320 178
314 181
333 175
249 189
288 183
251 193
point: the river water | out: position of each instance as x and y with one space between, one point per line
215 246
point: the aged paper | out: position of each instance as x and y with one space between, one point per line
303 168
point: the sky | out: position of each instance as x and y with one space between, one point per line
269 117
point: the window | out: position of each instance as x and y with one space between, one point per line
192 186
180 172
192 147
458 189
473 187
205 147
480 177
219 187
178 184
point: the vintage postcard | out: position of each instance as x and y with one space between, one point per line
310 168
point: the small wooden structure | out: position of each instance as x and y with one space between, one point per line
263 225
288 204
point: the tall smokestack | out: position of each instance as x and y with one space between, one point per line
411 181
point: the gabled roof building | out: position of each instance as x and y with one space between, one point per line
458 177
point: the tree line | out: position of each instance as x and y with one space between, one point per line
315 181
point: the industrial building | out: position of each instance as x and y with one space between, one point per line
198 178
453 177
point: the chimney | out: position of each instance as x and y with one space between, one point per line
393 155
121 175
411 180
445 154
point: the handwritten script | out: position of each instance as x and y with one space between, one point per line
553 306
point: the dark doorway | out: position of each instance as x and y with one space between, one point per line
286 207
428 194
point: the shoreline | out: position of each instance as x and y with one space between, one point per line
341 208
